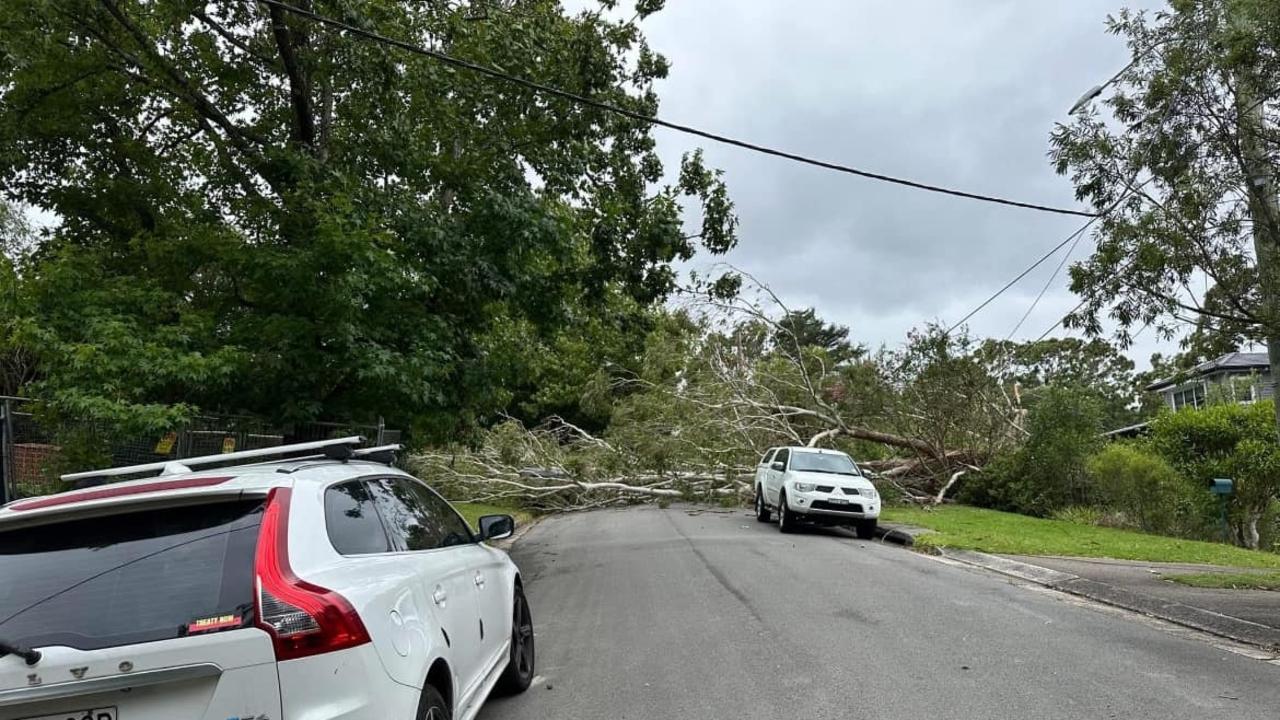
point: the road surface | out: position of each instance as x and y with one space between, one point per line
704 615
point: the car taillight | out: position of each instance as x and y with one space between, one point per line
303 618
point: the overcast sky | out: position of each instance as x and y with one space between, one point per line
961 93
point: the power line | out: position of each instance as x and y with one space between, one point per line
655 121
1045 289
1073 236
1053 327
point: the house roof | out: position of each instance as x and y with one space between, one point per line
1239 361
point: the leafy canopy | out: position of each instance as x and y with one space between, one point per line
1181 163
259 214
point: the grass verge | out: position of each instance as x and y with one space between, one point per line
1233 581
958 526
474 511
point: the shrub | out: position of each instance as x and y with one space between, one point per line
1081 515
1232 441
1148 492
1048 472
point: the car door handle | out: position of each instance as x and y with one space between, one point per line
480 581
439 596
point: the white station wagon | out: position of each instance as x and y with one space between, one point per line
812 485
329 586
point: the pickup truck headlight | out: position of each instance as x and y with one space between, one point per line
805 487
871 493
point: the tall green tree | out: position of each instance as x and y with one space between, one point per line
262 214
17 362
1094 366
799 329
1183 166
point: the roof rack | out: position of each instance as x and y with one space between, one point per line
336 449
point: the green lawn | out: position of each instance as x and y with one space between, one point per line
474 511
970 528
1234 581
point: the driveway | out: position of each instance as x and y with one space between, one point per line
681 613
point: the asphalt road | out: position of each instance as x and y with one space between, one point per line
649 613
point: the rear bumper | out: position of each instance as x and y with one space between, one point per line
348 685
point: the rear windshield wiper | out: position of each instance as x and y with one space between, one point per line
31 656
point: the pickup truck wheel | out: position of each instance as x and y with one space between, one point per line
519 673
785 521
866 529
762 510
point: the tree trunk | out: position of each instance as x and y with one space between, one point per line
1249 530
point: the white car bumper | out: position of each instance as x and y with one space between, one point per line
833 506
344 685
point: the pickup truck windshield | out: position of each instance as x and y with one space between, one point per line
823 462
129 578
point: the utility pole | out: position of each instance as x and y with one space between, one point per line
1264 203
1264 210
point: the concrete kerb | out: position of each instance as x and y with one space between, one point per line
1180 614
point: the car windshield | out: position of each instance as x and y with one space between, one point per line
824 463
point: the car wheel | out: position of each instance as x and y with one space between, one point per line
762 510
866 529
785 521
519 673
432 706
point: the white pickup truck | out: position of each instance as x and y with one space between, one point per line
810 485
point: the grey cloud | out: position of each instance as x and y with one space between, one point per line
953 92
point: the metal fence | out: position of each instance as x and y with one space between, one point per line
34 454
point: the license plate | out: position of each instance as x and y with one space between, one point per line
838 501
106 713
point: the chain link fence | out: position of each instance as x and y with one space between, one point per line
33 454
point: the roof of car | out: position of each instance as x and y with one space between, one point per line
806 448
229 481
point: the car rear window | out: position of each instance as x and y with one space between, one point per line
129 578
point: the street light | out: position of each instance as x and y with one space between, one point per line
1085 99
1096 90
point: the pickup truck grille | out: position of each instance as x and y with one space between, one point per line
826 488
851 491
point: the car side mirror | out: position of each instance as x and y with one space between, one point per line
777 465
497 527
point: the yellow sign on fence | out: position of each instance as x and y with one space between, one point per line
165 446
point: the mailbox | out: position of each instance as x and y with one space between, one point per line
1221 486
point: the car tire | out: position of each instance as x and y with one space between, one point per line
432 705
520 666
866 529
786 521
762 510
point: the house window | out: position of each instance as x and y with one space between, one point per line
1191 396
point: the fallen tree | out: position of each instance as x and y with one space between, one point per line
723 380
559 467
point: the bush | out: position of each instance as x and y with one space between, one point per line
1147 491
1048 472
1231 441
1081 515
